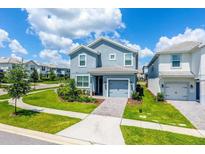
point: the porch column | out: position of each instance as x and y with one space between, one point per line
202 77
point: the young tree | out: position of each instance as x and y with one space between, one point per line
52 75
19 83
34 77
1 77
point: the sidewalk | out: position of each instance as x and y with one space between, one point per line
162 127
41 136
23 105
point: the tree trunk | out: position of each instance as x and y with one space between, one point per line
15 112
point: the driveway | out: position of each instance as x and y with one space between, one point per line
193 111
102 126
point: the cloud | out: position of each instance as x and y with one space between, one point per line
4 36
53 56
142 52
75 23
16 57
16 47
189 34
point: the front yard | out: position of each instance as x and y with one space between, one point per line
142 136
43 122
160 112
50 99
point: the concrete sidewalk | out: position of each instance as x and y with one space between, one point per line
162 127
23 105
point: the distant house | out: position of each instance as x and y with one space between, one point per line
8 63
44 69
105 67
145 72
179 72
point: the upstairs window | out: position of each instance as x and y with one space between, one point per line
176 61
128 59
82 60
112 56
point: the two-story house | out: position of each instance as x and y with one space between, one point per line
179 72
8 63
105 67
31 65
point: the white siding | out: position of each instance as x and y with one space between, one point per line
154 85
165 63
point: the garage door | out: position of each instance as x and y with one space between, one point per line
118 88
176 91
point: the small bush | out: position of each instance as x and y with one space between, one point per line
160 97
140 90
86 99
136 96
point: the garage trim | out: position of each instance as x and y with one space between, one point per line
126 79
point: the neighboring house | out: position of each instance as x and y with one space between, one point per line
105 67
140 75
31 65
145 72
8 63
179 72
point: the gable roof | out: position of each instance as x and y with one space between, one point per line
181 47
9 60
112 42
31 61
83 47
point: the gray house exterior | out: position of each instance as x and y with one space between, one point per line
105 68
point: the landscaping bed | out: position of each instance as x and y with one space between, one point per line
50 99
151 110
43 122
141 136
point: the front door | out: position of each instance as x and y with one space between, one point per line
197 91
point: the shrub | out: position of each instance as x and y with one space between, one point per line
160 97
70 93
140 90
136 96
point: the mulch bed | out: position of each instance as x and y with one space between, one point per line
132 101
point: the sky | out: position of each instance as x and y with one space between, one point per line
47 35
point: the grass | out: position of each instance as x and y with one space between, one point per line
5 96
43 122
153 111
53 82
142 136
50 99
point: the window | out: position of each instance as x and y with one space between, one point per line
128 59
176 59
83 81
82 60
112 56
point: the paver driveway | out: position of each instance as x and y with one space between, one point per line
102 126
193 111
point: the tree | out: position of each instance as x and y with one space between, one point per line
34 77
52 75
1 77
19 83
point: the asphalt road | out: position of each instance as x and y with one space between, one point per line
13 139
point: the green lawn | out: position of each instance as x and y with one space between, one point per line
5 96
44 122
53 82
50 99
142 136
153 111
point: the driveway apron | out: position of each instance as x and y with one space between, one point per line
193 111
102 126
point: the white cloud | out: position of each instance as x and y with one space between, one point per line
142 52
16 47
4 36
16 57
53 56
189 34
75 23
